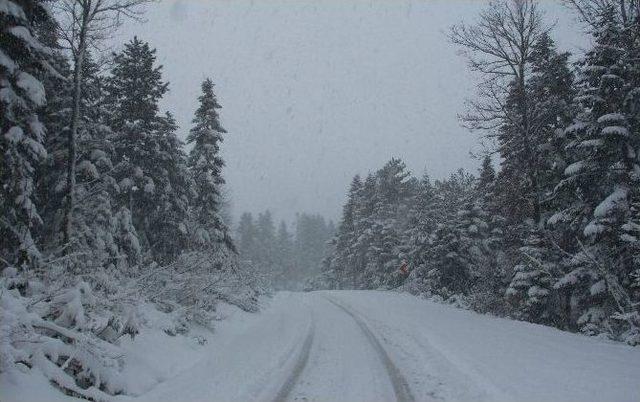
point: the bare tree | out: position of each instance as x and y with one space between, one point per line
499 47
84 24
590 10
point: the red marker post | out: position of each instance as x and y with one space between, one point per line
404 269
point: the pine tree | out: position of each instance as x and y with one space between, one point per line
206 166
99 237
394 193
51 184
500 47
342 262
363 223
83 24
536 261
485 231
422 223
23 61
447 255
486 177
149 161
531 287
100 228
601 181
246 236
167 229
265 256
286 275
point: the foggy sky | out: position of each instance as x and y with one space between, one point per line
314 92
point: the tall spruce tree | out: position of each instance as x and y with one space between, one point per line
246 236
601 181
286 271
205 164
536 263
343 260
23 62
148 161
102 233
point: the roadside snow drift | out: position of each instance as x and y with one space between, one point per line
368 346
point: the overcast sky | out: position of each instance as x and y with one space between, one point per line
314 92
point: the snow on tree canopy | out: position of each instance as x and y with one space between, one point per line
23 33
574 168
612 118
575 127
593 229
10 8
593 143
6 62
557 217
32 87
615 130
14 135
616 199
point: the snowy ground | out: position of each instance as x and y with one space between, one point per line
372 346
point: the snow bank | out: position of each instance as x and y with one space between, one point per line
151 358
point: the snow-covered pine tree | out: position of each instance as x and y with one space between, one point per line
23 62
363 223
149 161
394 191
422 223
537 258
100 228
531 287
265 257
604 176
524 98
51 175
499 47
134 89
205 165
486 177
286 269
99 239
486 232
246 236
341 262
448 260
167 229
82 24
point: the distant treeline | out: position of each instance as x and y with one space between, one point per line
285 257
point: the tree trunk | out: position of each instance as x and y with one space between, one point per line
530 153
73 131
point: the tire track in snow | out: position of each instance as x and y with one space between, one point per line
399 383
298 368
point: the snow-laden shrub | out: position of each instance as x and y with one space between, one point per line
192 286
67 323
65 330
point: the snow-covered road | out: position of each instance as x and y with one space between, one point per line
382 346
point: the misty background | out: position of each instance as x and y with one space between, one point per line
313 93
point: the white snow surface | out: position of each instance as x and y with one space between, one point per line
367 346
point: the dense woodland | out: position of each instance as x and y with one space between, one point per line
103 208
548 230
